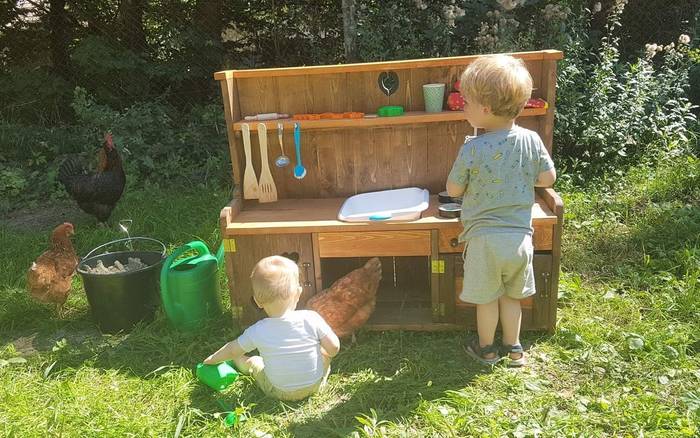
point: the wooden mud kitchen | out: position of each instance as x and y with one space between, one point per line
345 149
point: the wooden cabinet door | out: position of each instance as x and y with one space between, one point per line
544 309
249 250
537 310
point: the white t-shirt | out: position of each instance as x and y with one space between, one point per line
290 347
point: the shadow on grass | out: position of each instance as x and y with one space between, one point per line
391 373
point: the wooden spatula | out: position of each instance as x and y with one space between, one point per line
267 190
250 181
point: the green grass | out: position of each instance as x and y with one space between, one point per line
623 362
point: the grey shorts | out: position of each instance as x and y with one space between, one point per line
498 264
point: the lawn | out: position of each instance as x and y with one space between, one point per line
623 361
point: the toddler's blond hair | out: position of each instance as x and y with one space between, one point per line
498 81
274 278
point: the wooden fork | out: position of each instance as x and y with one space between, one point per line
267 190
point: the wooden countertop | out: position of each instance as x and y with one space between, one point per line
288 216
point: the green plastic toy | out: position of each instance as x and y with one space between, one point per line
217 377
390 111
189 287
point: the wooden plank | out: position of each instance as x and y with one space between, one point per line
326 165
408 118
543 237
364 94
416 157
437 305
318 276
447 286
549 87
258 95
535 70
295 95
329 93
373 161
318 215
542 265
229 94
448 238
229 212
376 243
377 66
555 203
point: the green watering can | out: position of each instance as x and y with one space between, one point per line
189 287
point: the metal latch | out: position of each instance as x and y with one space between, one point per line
230 245
437 266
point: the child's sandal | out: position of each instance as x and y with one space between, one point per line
479 353
509 350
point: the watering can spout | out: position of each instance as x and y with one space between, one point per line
220 255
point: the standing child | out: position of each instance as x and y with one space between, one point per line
295 346
496 173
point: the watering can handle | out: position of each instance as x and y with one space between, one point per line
196 245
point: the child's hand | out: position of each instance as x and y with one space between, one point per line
210 361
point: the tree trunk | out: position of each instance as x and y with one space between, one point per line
130 25
208 18
349 30
58 37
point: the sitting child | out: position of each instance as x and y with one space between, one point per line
295 346
496 174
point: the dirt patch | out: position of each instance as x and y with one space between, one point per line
45 217
33 343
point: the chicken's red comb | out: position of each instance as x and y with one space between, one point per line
108 140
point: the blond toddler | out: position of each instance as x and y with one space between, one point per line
295 346
495 174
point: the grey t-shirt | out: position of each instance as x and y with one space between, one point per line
499 170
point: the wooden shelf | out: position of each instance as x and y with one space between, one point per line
321 215
409 118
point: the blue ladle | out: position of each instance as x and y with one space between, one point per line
299 169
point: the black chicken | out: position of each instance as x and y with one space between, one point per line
96 193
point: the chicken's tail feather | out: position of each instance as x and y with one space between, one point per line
69 168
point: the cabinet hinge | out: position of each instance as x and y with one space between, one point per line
230 245
438 266
237 312
439 310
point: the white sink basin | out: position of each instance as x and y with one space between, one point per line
386 206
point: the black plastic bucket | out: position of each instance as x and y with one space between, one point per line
119 300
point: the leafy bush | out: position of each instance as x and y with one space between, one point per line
161 144
612 113
32 95
406 29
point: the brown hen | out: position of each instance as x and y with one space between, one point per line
49 277
348 303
